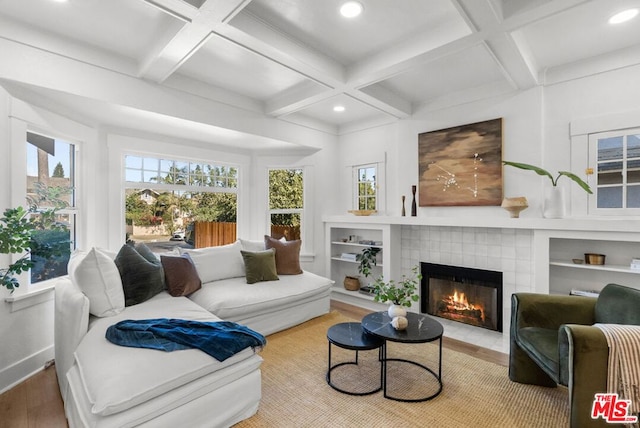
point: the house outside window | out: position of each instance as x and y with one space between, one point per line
286 203
614 156
366 187
51 168
171 202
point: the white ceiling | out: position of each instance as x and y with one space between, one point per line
295 59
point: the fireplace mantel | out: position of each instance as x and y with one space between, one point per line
566 224
534 254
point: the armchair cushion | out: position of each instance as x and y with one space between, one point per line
542 345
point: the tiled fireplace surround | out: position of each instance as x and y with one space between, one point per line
509 251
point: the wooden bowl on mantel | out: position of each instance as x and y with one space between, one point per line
515 205
362 212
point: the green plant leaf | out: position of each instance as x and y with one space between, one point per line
533 168
578 180
546 173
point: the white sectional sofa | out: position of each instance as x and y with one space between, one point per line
106 385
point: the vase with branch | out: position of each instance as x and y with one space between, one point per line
554 203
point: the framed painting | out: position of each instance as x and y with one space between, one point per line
461 166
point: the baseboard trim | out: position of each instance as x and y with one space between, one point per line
25 368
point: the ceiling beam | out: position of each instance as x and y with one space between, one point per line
166 58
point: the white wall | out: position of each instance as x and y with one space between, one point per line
522 141
597 102
26 326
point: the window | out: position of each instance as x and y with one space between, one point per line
174 202
365 187
615 156
51 166
286 203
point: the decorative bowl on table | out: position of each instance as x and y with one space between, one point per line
362 212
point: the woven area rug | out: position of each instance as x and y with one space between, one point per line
476 393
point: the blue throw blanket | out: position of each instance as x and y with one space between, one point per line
220 339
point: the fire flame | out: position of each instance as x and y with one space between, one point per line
459 302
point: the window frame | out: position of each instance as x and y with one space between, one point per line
593 163
75 212
179 187
356 185
304 212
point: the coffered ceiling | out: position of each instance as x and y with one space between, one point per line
294 60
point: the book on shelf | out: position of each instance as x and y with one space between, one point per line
349 256
367 289
587 293
369 242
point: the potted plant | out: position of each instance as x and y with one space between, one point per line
367 259
400 294
32 234
554 205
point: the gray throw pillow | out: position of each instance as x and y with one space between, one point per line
260 266
141 273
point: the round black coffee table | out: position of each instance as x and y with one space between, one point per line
421 329
350 335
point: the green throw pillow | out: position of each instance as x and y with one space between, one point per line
141 272
260 265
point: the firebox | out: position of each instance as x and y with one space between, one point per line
470 296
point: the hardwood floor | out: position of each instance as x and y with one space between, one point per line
36 402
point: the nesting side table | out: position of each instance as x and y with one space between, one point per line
350 335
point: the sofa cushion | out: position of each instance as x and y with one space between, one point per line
116 378
141 272
96 274
260 266
215 263
287 255
249 245
233 299
180 275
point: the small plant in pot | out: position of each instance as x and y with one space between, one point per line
400 294
367 259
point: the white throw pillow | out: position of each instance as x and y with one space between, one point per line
215 263
96 274
253 246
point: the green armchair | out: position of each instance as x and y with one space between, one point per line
553 342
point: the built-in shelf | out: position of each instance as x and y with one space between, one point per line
338 258
387 238
609 268
341 290
355 244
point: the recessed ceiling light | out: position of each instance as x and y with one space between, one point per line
623 16
351 9
60 1
338 109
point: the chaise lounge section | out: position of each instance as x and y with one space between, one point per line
105 385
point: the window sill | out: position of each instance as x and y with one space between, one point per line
307 258
33 296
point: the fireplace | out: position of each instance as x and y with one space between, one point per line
470 296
